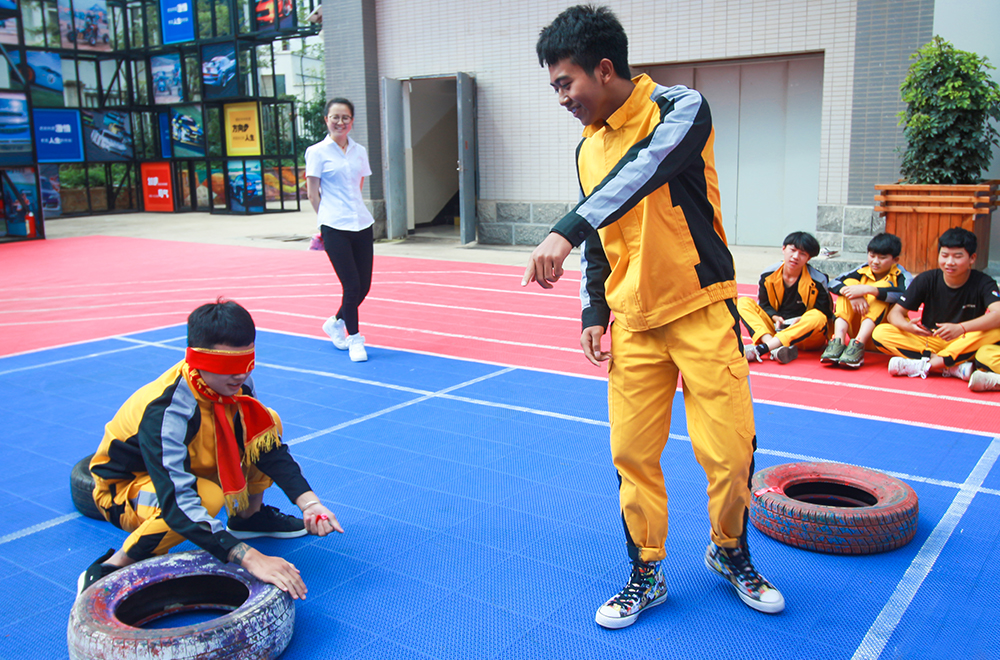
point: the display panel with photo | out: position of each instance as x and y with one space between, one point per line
58 137
274 14
187 131
84 24
107 135
20 211
15 129
218 70
43 74
167 84
48 179
8 30
245 186
178 20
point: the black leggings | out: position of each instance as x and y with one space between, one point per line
351 253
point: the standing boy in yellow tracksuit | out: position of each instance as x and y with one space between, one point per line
656 256
793 307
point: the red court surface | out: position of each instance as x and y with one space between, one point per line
72 290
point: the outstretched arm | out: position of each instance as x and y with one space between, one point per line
273 570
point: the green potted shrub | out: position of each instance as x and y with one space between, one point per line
950 100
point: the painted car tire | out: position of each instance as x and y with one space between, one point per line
833 508
102 623
81 488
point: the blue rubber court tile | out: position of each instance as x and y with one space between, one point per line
578 549
555 503
446 561
570 440
322 474
26 595
424 470
545 641
363 455
466 628
485 485
41 635
174 334
558 393
596 477
19 515
322 568
532 465
472 452
992 480
501 528
320 636
437 511
374 539
385 649
8 568
374 494
524 586
386 597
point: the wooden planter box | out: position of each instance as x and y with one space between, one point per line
918 214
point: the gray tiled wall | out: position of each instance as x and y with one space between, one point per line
886 34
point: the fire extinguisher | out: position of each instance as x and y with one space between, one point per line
29 223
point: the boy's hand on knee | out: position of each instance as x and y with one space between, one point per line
545 265
860 305
590 341
949 331
274 570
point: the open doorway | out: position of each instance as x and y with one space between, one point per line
430 142
430 157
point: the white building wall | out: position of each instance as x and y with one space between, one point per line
526 141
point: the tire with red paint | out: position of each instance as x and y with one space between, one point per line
81 488
833 508
106 619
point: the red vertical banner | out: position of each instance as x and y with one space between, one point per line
157 189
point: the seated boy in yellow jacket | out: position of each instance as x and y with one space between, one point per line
793 308
864 297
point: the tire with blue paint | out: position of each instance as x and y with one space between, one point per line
81 488
833 508
107 618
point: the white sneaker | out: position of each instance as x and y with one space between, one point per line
963 371
984 381
356 345
337 330
900 366
750 351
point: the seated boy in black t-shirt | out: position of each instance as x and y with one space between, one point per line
961 314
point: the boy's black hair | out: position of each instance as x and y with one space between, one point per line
221 322
885 243
803 241
339 100
956 237
586 35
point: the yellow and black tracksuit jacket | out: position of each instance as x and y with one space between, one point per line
167 430
890 287
655 247
810 293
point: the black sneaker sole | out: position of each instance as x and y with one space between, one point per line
244 535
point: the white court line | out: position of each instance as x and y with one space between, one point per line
873 388
379 413
225 281
28 531
73 359
244 299
881 631
436 333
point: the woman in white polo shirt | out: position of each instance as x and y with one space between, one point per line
335 173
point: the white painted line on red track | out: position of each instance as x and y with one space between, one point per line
872 388
436 333
892 613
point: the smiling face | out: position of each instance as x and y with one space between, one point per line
339 122
226 384
586 95
955 263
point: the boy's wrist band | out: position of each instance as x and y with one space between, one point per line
309 504
963 328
